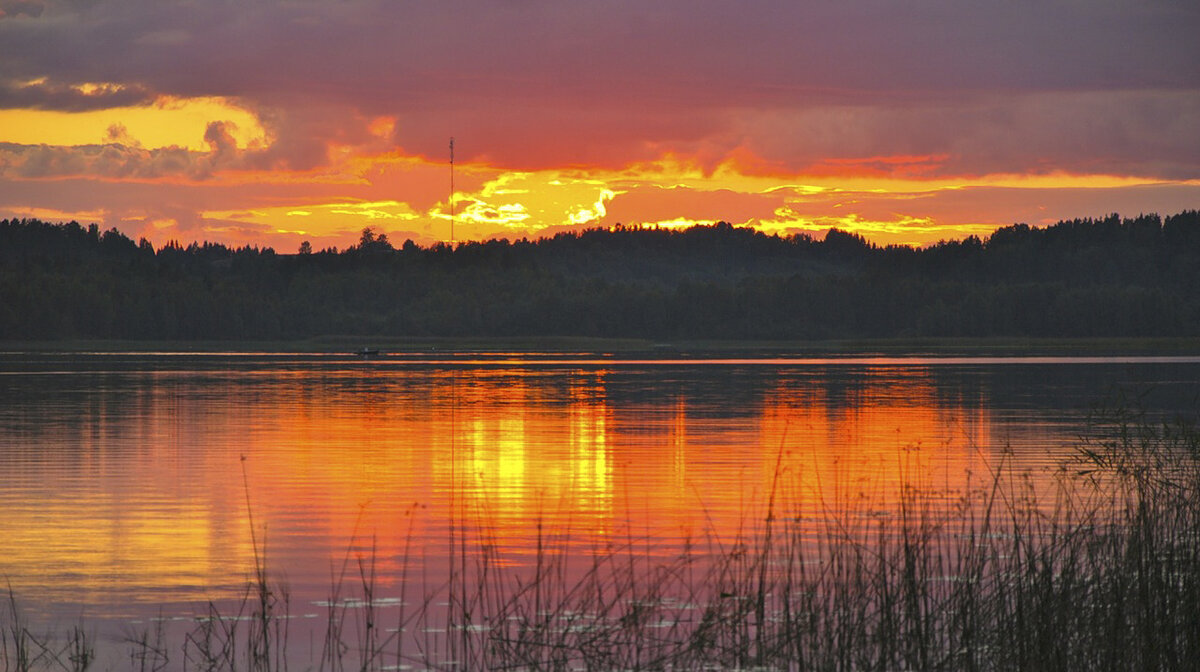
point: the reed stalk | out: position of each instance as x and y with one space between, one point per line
1103 573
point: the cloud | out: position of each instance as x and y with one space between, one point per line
556 104
111 161
118 134
297 142
539 84
649 203
219 137
1150 133
13 8
76 97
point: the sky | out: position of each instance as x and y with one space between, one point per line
271 122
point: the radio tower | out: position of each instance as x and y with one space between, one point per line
452 193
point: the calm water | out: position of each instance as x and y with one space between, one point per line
138 485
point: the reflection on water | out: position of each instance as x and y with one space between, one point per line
129 482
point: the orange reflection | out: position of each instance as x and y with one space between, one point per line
112 513
406 463
860 454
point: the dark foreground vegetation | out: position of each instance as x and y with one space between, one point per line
1100 573
1110 277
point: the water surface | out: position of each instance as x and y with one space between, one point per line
136 485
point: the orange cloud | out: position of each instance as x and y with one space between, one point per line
262 177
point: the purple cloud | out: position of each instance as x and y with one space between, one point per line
960 87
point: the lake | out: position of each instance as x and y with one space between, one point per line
136 486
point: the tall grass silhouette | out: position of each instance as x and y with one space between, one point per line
1102 572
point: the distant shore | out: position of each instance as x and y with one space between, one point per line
846 347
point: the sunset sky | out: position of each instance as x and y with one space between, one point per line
271 122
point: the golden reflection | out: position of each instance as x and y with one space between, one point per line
507 451
497 450
591 466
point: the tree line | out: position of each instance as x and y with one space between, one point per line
1084 277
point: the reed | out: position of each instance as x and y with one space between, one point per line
22 650
1102 573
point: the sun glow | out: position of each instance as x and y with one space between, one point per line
396 200
169 122
902 230
405 197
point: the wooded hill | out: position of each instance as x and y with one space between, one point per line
1085 277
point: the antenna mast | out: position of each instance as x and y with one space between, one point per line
451 192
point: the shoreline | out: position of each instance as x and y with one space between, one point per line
560 345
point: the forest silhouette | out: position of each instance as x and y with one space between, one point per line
1108 277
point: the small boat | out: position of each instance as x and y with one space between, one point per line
367 352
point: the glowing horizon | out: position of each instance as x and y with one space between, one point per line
283 123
